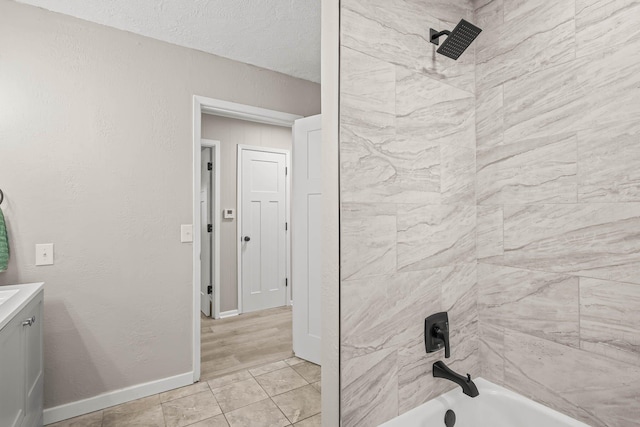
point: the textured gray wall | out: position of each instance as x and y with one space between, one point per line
408 208
558 187
96 137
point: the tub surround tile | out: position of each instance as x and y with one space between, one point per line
433 236
603 24
491 351
383 312
390 30
489 117
610 81
368 241
610 319
542 304
299 404
533 36
608 159
458 174
433 111
264 413
190 409
581 94
594 240
489 234
541 170
546 102
488 15
416 384
370 388
570 380
367 89
395 170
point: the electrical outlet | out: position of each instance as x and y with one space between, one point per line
44 254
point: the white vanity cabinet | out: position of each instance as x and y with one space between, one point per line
21 360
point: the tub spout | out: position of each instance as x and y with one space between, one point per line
440 370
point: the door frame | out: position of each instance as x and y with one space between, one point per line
287 204
203 105
215 202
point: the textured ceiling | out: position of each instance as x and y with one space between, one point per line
281 35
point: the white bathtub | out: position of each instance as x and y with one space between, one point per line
495 407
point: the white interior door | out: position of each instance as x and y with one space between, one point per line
206 265
263 234
306 229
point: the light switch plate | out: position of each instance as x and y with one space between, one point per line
186 233
44 254
229 213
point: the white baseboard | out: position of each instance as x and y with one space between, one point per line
116 397
229 313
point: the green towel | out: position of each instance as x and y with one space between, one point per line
4 244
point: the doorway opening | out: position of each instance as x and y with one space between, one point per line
243 169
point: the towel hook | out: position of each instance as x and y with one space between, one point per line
1 196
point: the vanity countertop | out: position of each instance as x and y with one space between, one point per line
14 298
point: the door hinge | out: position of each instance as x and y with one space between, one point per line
286 282
209 228
209 166
286 225
209 289
286 170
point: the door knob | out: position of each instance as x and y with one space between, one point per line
247 238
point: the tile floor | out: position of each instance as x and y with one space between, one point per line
279 394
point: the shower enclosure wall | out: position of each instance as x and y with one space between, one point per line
503 188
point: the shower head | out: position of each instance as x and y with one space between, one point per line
457 41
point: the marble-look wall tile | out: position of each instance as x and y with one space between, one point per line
397 31
489 234
368 240
610 319
591 388
433 111
489 118
547 102
369 389
491 351
457 295
489 16
457 175
594 240
608 159
541 170
582 94
434 236
603 24
545 305
533 36
386 311
611 82
377 166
